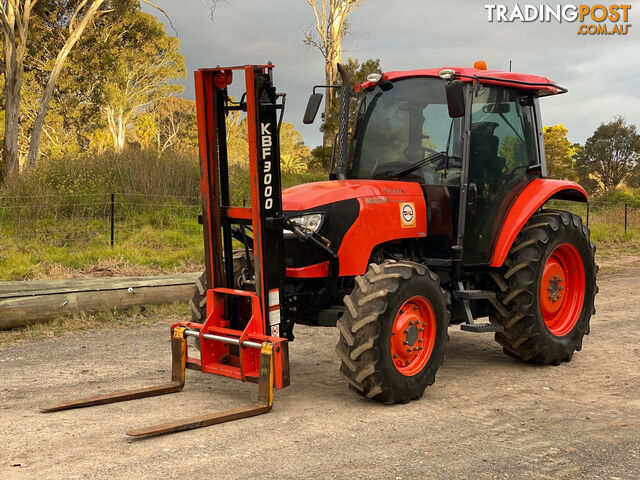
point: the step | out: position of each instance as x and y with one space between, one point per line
481 327
473 294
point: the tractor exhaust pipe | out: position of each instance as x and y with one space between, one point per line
343 123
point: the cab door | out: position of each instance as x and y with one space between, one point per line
503 157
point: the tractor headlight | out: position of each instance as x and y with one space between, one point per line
311 222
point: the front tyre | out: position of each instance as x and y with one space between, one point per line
393 332
547 289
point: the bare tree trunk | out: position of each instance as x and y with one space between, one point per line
120 137
331 76
330 16
13 82
115 123
14 50
75 34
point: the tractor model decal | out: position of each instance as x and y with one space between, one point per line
266 143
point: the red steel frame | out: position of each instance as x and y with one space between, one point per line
216 356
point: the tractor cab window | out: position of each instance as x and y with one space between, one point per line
502 149
402 123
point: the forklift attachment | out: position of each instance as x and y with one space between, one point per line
179 360
241 336
263 405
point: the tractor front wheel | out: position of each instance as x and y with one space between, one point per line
393 332
546 289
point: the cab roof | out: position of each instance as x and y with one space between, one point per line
541 86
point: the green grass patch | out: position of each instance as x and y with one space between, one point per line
67 248
611 239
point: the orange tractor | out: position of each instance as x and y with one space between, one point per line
433 215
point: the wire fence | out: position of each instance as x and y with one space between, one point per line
106 218
111 219
621 214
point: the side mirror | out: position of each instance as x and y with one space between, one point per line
455 98
312 108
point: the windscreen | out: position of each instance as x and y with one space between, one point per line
401 123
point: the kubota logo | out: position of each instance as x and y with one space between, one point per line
600 19
266 143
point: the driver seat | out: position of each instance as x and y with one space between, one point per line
484 161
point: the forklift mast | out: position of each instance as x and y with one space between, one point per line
220 219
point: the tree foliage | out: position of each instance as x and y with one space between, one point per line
295 155
610 155
50 85
559 152
142 62
357 74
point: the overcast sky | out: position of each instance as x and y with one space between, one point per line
601 72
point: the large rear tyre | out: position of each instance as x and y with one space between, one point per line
393 332
546 289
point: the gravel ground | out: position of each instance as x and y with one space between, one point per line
487 416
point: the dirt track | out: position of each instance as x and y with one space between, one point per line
487 416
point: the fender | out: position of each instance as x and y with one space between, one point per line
534 195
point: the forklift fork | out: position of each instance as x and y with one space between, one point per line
178 364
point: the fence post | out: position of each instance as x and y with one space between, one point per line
625 216
112 215
587 214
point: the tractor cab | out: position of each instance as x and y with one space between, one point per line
403 131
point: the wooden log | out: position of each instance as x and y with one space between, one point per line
22 303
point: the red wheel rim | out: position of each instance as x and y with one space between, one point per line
413 335
562 289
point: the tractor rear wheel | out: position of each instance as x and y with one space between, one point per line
546 289
393 332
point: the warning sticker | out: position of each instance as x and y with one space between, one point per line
407 215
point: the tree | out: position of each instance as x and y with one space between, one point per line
16 18
610 154
176 127
293 151
357 74
67 20
331 26
559 152
76 28
143 61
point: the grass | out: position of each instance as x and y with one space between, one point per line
105 320
611 239
80 247
54 220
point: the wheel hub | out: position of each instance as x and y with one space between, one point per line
562 289
553 279
413 335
